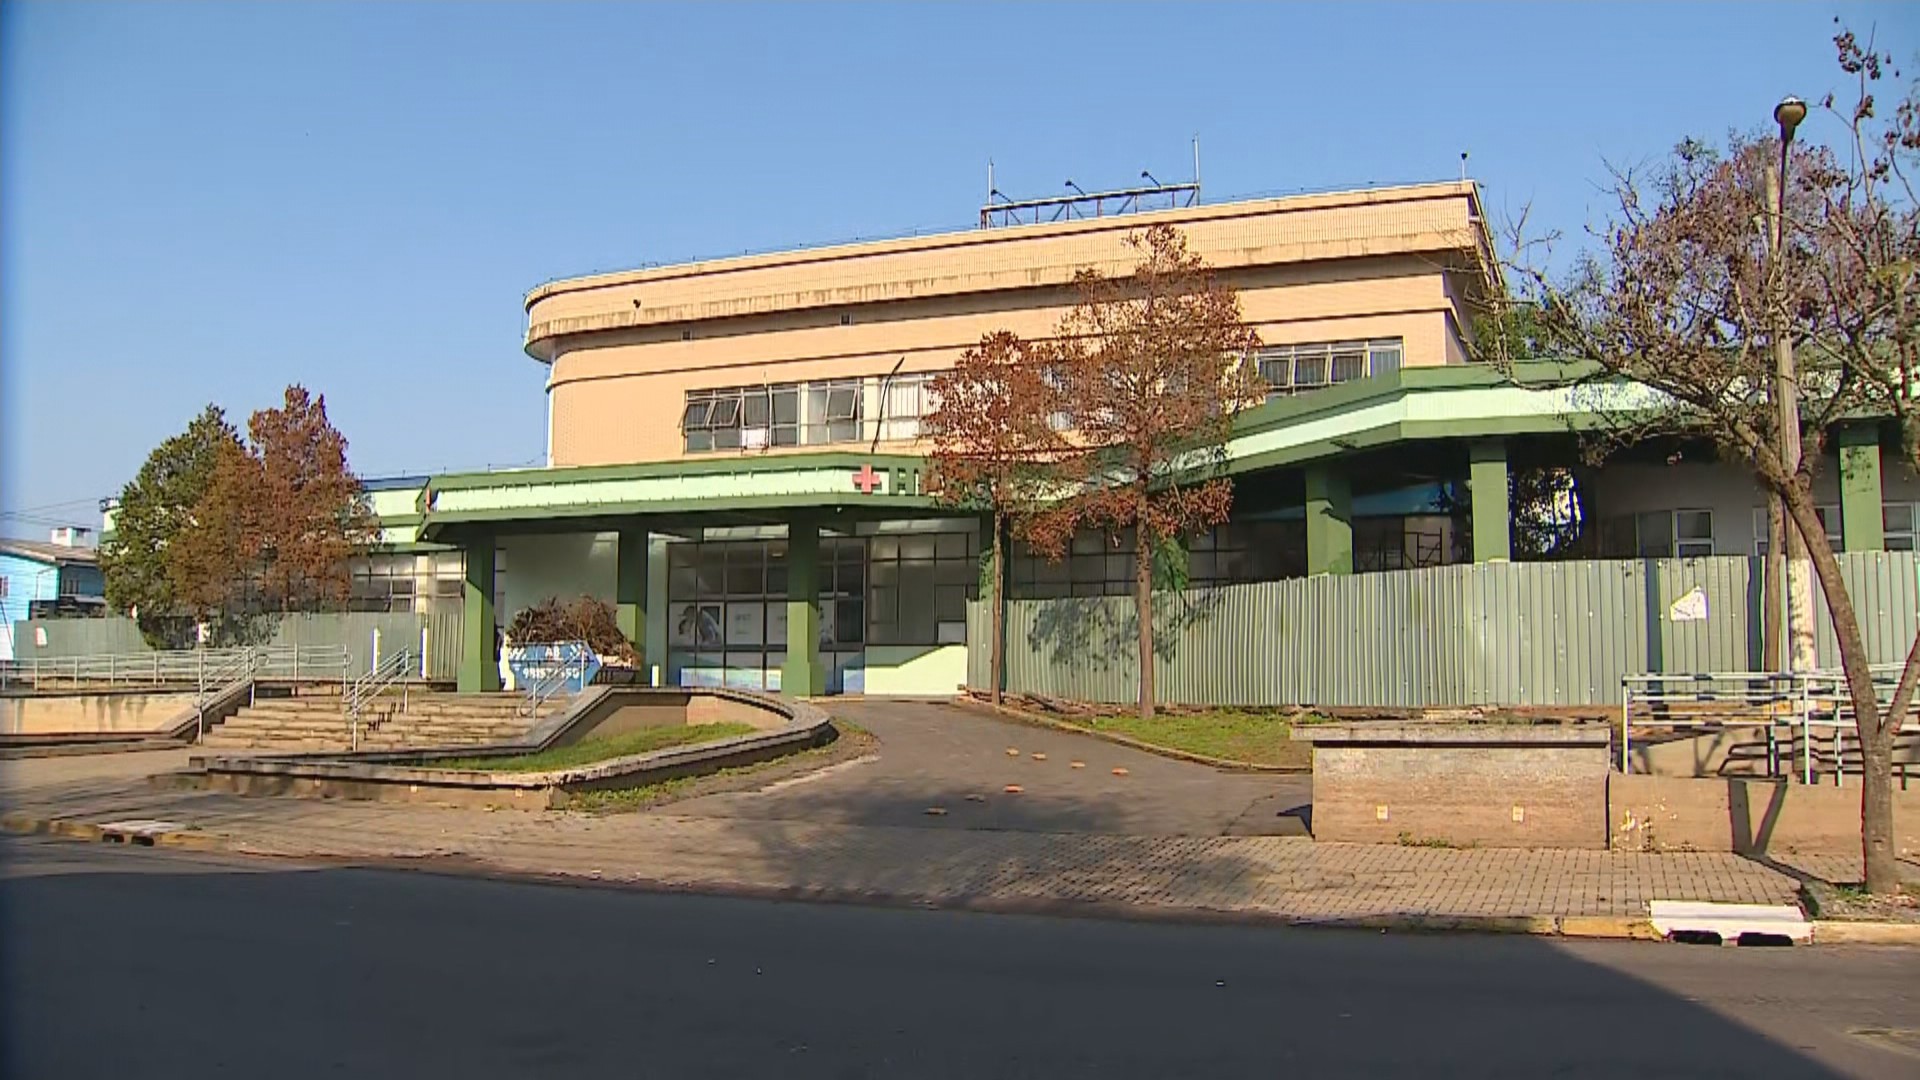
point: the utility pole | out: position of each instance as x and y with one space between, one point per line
1786 395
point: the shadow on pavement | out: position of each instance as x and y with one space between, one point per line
935 755
136 963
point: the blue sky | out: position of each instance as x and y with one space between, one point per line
204 202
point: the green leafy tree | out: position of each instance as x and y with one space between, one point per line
155 507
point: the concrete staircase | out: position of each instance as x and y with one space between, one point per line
318 721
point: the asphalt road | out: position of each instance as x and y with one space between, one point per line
933 754
143 963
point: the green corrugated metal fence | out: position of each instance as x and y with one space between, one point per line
350 630
1488 634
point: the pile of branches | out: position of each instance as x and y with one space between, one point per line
587 619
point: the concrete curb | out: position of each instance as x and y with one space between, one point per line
1593 927
1036 720
1839 932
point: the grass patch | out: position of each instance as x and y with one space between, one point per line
852 742
1253 738
589 750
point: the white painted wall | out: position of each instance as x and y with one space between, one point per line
902 670
1729 491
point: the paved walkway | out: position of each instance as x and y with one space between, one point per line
1286 877
932 754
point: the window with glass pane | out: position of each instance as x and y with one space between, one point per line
1829 522
1294 368
921 583
786 415
1654 535
903 407
1383 356
1310 366
1897 522
1693 533
1349 362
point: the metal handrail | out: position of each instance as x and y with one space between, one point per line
174 665
222 670
550 684
393 669
1803 700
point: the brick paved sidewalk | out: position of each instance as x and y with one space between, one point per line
1280 877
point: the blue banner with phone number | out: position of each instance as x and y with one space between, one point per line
531 664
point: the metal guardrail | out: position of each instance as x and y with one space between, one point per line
173 665
554 680
1775 701
363 690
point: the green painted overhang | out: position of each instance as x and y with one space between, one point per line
1459 402
599 494
1469 401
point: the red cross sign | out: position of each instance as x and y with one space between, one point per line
866 479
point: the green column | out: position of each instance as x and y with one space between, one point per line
1861 523
803 675
479 666
630 587
1492 517
1329 521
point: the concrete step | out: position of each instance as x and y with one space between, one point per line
285 723
214 742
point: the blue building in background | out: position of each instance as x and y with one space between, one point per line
59 576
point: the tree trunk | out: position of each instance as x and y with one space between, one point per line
1774 568
1875 732
1143 609
1877 845
999 605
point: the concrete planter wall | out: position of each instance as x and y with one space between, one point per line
782 727
1752 817
1461 785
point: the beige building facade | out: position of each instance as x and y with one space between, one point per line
830 347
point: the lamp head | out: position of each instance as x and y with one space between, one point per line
1788 115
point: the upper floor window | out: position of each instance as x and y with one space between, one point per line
1899 520
806 414
834 410
1290 369
742 418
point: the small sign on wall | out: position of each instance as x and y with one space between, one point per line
1691 607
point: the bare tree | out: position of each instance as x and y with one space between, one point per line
994 449
1151 368
1705 273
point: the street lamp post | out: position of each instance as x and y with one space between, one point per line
1786 396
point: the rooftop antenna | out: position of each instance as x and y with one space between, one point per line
1196 168
1463 166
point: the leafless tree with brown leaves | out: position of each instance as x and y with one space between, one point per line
280 520
994 449
1682 306
1151 369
